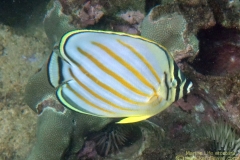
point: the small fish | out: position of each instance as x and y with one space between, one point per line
113 74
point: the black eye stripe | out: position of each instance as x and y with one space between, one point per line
176 76
166 83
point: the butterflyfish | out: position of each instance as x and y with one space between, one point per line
113 74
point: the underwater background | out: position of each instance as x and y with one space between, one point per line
202 36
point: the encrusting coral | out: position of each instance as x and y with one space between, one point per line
56 23
56 124
167 26
61 133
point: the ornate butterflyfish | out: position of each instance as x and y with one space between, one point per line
112 74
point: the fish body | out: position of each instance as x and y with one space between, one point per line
112 74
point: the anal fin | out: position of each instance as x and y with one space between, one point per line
133 119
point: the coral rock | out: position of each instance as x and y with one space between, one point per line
61 133
88 15
167 26
56 23
126 29
132 17
226 12
198 14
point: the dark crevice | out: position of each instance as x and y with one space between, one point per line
150 4
17 13
219 51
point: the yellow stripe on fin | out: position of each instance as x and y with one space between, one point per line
134 119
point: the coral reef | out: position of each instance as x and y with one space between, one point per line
187 21
61 132
82 13
221 93
214 69
56 23
114 137
66 15
132 19
115 7
110 8
21 55
203 37
89 15
226 12
219 54
181 130
167 26
198 15
117 141
126 28
217 72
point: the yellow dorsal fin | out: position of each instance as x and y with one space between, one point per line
133 119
